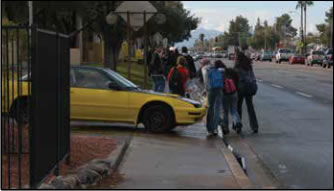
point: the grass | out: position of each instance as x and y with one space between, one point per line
137 73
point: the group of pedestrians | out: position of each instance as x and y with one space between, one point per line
171 66
226 89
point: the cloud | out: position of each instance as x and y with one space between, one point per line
219 19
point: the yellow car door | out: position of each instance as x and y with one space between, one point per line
92 99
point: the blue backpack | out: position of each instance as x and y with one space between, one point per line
215 78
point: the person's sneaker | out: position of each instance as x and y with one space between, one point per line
238 127
210 134
225 131
255 131
215 132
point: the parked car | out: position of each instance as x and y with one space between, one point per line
328 61
297 59
101 94
266 56
283 55
218 55
315 57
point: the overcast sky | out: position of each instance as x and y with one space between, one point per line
217 14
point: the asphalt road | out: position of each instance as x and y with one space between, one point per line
294 105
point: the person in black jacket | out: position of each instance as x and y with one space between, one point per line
243 66
190 63
156 71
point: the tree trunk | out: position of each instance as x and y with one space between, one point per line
108 59
111 52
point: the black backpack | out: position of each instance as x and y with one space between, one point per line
248 83
175 82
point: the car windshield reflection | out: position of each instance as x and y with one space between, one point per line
123 81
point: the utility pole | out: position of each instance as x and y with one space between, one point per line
265 39
31 19
331 23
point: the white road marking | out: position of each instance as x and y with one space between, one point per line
259 80
277 86
304 94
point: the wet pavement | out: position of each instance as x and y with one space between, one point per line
295 141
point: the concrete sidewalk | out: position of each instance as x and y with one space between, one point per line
174 162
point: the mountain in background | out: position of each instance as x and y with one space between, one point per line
208 33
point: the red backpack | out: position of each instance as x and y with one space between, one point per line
229 86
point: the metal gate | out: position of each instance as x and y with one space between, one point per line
35 104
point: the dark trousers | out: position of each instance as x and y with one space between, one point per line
250 108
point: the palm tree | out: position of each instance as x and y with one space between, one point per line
300 5
306 4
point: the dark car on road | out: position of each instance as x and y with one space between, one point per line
297 59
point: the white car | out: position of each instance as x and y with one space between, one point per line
283 55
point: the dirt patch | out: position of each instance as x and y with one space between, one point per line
83 149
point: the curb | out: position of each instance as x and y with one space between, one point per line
91 173
237 171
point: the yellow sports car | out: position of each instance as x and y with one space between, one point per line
104 95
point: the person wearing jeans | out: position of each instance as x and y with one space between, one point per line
215 96
243 66
159 83
230 106
251 111
213 115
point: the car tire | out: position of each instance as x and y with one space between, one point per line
158 119
19 111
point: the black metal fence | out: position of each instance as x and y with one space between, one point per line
35 130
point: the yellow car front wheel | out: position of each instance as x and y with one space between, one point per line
158 119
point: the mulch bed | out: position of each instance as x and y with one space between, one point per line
83 149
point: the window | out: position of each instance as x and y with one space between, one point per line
88 78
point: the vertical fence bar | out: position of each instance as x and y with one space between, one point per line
7 107
31 72
129 45
2 107
19 125
58 106
12 96
145 51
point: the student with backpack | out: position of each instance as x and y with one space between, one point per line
230 100
247 88
156 71
215 86
178 76
190 63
